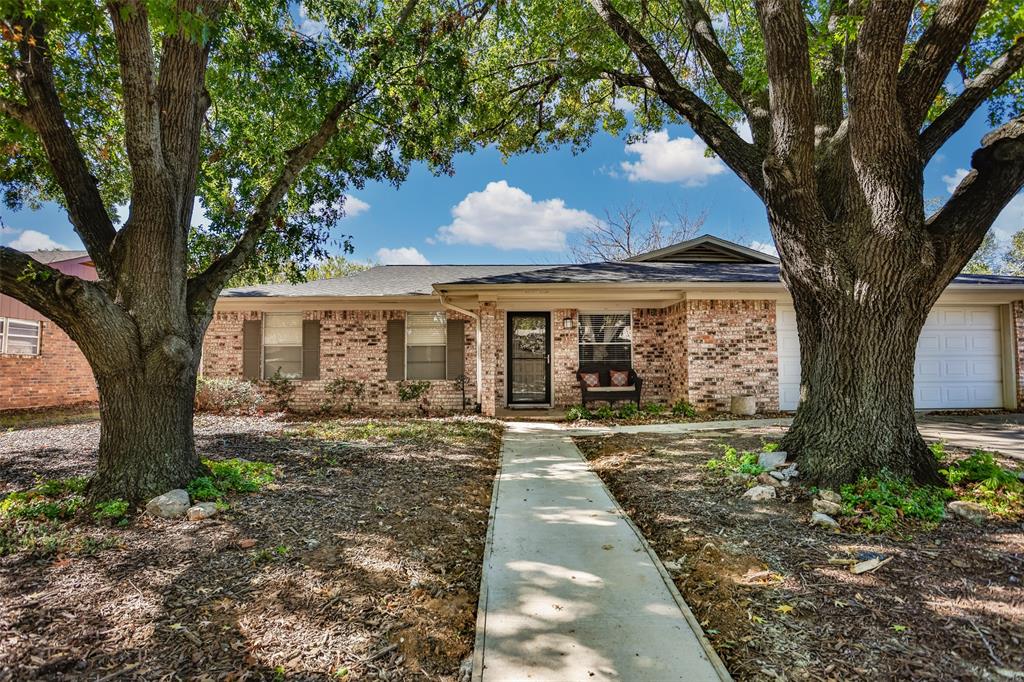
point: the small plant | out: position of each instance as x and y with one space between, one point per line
770 447
49 499
683 409
577 412
735 462
604 412
881 503
409 391
938 451
654 409
282 389
230 476
340 388
629 411
111 511
228 396
979 478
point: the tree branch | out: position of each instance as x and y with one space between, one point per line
17 111
934 54
975 92
34 75
743 158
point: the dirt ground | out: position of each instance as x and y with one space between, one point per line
364 561
949 605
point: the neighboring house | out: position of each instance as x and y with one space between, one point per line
39 365
700 321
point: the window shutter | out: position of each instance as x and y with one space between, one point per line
252 343
396 350
311 349
456 348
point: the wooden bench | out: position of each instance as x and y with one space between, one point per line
607 392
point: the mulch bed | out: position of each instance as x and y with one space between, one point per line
365 565
949 605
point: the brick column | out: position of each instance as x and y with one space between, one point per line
1017 320
488 358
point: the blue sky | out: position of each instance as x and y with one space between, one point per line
525 209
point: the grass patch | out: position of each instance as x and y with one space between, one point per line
979 478
412 431
230 476
887 502
629 412
733 461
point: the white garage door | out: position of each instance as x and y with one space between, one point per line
958 362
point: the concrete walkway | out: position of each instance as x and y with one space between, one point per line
571 590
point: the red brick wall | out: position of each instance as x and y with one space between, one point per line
731 350
59 375
353 345
1017 315
565 358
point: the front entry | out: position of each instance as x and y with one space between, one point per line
529 358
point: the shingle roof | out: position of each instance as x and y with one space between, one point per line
419 280
55 255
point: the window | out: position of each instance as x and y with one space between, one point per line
282 345
605 337
426 337
19 337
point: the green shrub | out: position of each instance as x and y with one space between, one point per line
604 412
654 409
681 408
112 511
228 396
49 499
979 478
282 389
770 447
577 412
734 461
883 502
938 451
230 476
409 391
338 390
629 411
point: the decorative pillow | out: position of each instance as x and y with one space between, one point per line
619 377
591 379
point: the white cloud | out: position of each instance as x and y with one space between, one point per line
508 218
32 240
742 128
309 27
954 180
765 247
403 255
355 206
681 160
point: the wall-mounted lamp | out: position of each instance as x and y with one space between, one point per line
567 323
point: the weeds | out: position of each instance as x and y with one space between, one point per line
628 412
230 476
733 461
885 502
111 511
979 478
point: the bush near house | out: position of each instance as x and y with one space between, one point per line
228 396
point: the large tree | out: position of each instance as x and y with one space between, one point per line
846 102
268 111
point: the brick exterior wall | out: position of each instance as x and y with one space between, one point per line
59 375
353 345
1017 320
565 358
731 350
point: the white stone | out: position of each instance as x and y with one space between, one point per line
203 510
830 495
739 477
172 504
972 511
827 507
766 479
824 520
771 460
760 492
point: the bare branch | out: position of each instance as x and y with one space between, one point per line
975 92
742 157
34 74
934 54
621 235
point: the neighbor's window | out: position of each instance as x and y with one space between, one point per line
605 337
426 337
282 345
19 337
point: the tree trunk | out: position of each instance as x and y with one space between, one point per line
856 411
146 440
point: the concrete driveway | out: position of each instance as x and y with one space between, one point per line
999 432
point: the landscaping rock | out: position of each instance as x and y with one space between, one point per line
771 460
830 495
785 474
767 479
739 477
823 520
972 511
760 492
827 507
203 510
247 543
743 405
170 505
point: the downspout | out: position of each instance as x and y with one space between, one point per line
479 364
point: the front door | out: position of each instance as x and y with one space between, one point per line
529 358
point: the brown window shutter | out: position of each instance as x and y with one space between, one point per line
396 350
311 349
456 348
252 345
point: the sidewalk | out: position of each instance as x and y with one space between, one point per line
571 591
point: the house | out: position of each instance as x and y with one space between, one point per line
39 365
701 321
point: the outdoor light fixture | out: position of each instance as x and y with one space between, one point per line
567 323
